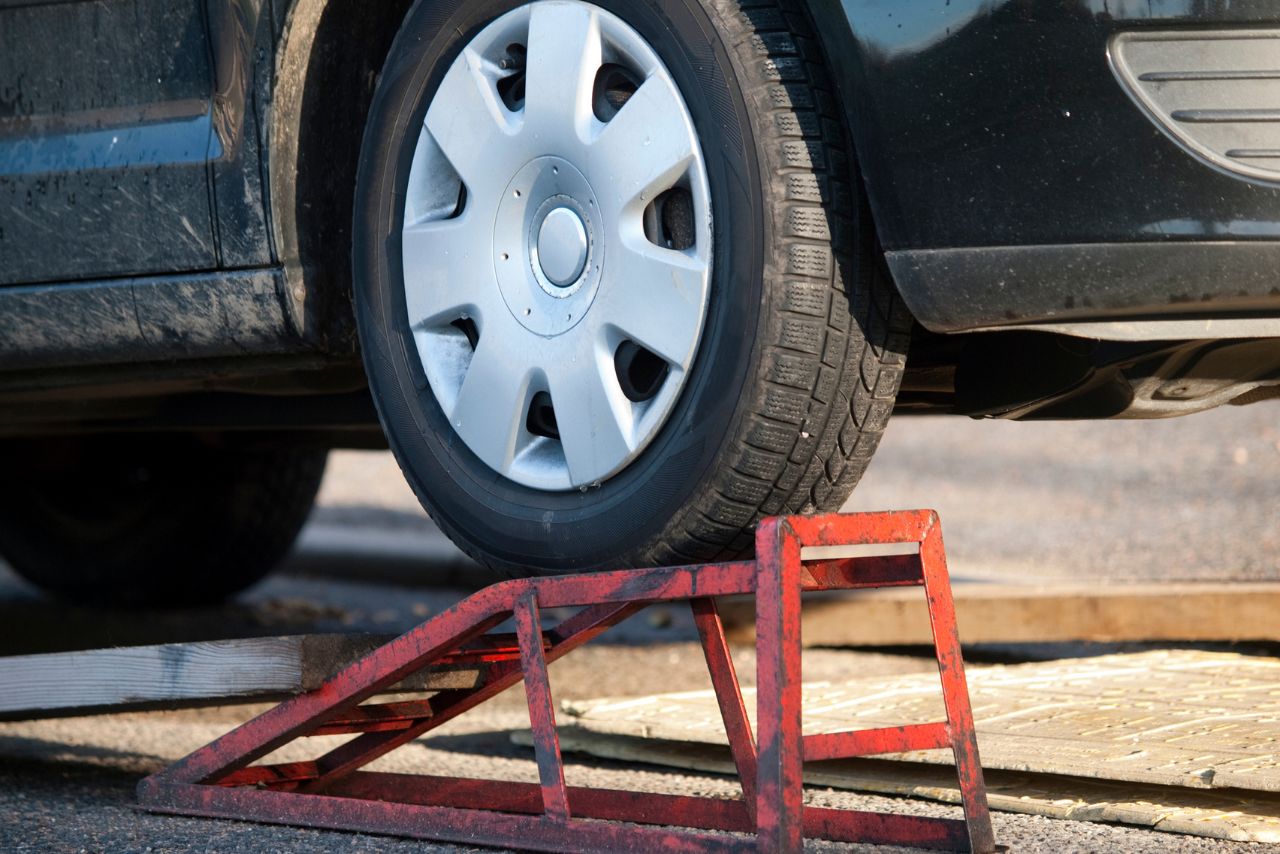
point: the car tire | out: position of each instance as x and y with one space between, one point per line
131 521
802 345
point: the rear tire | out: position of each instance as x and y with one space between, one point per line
124 520
804 340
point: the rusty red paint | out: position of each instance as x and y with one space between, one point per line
780 750
742 741
331 791
566 637
379 717
490 649
955 688
542 711
863 572
871 742
603 804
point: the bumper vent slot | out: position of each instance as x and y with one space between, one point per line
1216 93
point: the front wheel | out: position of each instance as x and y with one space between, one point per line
615 283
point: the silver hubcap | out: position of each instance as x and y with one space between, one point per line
557 245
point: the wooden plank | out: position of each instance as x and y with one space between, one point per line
1165 717
1232 814
1002 613
191 674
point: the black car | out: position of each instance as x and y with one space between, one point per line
614 279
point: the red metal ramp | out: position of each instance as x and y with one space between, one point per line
332 792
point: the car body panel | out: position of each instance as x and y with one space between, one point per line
241 40
103 153
1000 123
961 290
147 319
201 177
125 163
1014 181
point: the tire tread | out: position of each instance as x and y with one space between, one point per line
836 337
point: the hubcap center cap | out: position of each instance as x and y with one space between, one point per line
548 246
562 247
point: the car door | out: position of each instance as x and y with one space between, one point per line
106 136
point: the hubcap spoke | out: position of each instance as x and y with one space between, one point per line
654 297
446 271
645 148
492 406
593 416
565 52
470 124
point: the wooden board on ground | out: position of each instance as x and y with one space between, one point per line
1174 740
1174 718
1234 814
189 674
1003 613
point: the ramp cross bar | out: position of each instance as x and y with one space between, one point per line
221 779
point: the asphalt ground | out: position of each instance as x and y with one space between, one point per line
1195 498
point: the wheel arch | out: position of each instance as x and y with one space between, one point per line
846 56
328 59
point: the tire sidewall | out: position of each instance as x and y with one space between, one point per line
621 520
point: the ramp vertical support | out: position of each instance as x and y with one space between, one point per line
780 781
955 689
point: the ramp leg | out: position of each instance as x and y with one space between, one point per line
542 712
724 678
780 761
955 692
